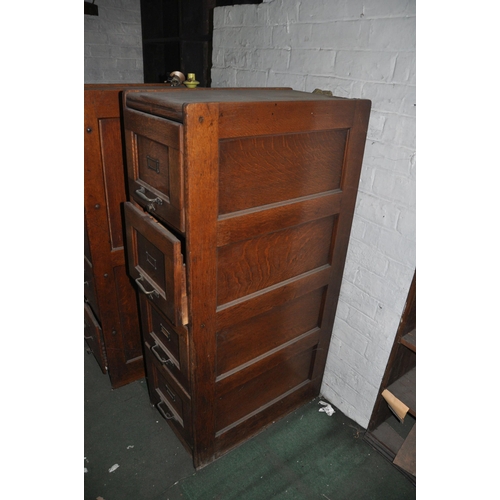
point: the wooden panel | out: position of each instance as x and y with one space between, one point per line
234 435
247 224
253 337
259 171
201 129
252 111
257 391
155 262
248 266
154 166
104 192
272 297
170 400
170 341
166 333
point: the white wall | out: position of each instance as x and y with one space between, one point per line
113 43
357 49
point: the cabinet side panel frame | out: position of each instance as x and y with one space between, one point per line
202 178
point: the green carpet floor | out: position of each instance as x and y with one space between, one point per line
307 455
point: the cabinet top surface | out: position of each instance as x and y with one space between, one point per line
169 103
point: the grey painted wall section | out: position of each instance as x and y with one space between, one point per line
113 43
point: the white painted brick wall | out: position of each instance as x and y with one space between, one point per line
113 43
357 49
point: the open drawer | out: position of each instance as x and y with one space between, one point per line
154 166
155 263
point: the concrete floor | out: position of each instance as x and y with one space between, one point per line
307 455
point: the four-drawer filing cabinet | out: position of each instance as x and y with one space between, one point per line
237 225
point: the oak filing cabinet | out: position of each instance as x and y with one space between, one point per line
238 220
112 327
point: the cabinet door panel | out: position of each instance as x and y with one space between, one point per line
155 262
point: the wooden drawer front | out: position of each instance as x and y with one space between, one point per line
155 262
251 390
166 343
154 166
93 336
169 398
89 287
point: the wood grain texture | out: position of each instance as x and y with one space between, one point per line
270 183
155 260
255 391
172 342
251 265
201 159
249 223
258 171
154 166
115 303
251 338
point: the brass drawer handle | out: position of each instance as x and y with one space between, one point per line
141 193
166 415
161 359
148 293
